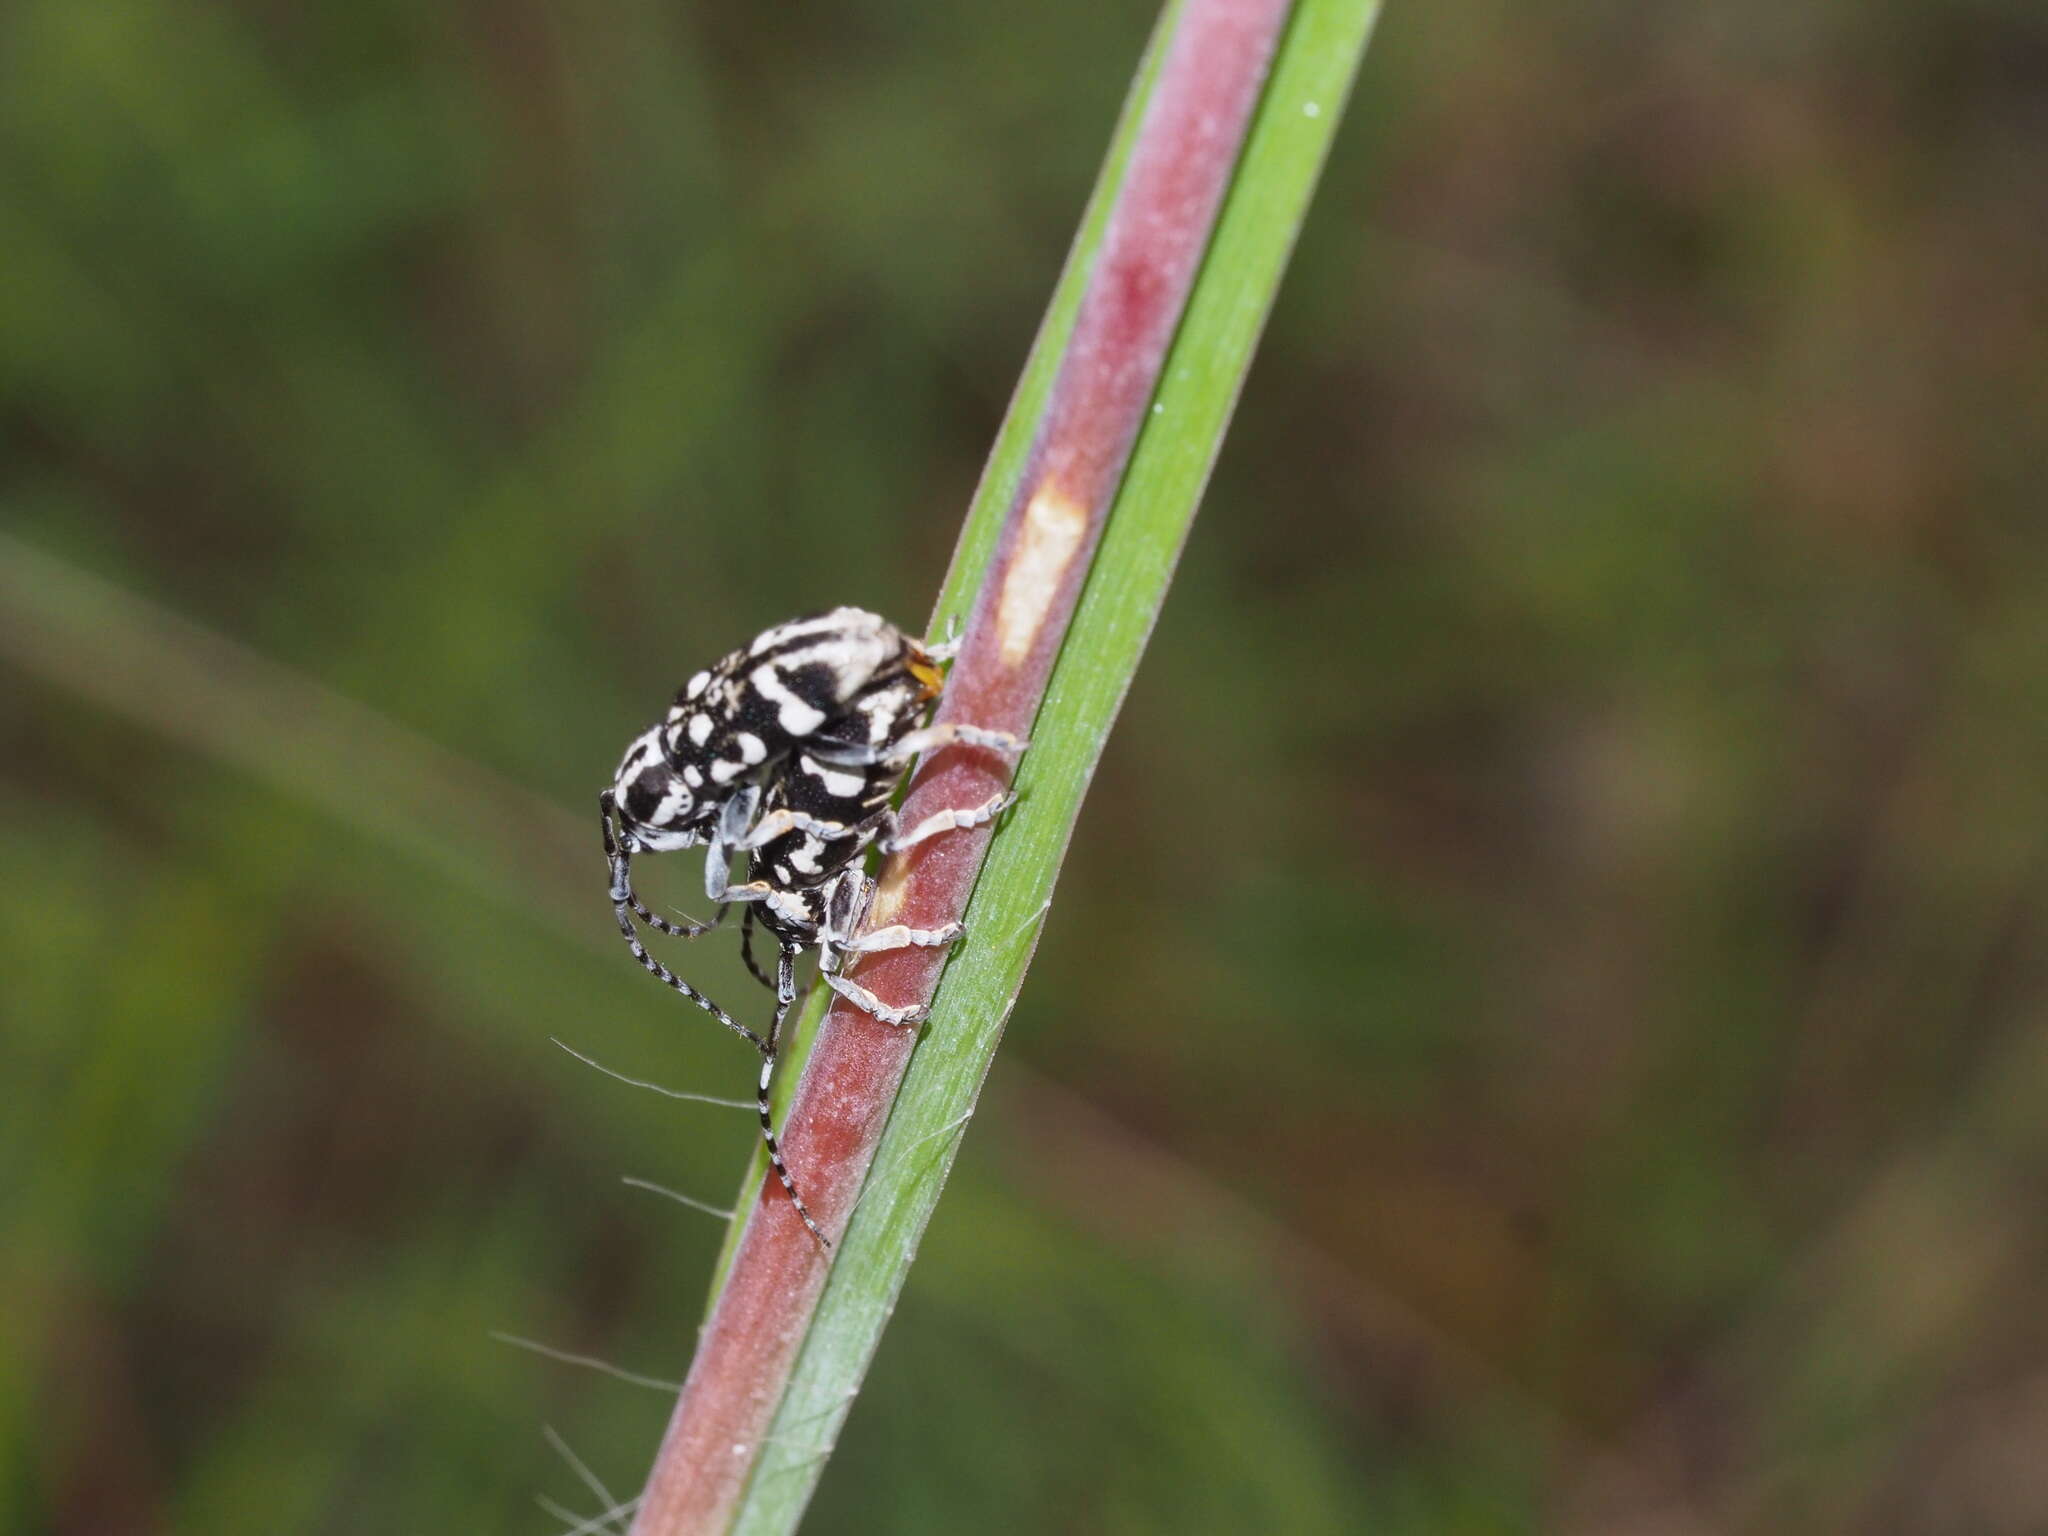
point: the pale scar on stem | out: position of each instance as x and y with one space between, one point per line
888 900
1054 525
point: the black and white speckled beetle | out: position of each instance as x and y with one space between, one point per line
786 753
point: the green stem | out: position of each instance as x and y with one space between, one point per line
1111 438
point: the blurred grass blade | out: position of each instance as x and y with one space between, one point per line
1187 395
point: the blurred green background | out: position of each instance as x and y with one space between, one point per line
1543 1026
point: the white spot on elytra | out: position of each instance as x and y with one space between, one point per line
699 729
795 716
697 684
835 782
1054 525
752 748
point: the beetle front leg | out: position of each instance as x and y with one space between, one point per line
948 821
734 823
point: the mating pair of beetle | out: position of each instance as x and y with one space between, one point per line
786 753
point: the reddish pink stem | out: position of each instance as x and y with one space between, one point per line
1180 165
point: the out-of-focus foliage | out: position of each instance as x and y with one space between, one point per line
1543 1024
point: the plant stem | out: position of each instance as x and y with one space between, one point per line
789 1335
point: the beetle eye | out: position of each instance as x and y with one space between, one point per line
655 797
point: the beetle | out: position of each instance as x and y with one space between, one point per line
785 753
